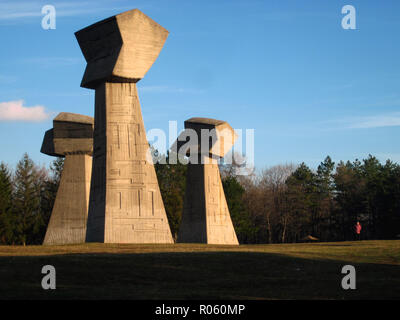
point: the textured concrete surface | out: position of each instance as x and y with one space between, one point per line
205 216
125 200
69 216
72 137
121 48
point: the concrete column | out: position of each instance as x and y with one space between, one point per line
206 217
72 138
125 203
69 215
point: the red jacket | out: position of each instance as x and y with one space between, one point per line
358 228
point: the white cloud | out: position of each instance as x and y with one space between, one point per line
15 111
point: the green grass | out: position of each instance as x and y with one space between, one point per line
193 271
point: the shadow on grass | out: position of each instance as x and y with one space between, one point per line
195 275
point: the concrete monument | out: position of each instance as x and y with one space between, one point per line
205 216
125 201
72 138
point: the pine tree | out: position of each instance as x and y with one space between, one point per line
350 197
27 200
324 198
301 217
172 182
6 227
246 232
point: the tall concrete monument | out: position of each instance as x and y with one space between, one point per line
205 216
125 201
72 138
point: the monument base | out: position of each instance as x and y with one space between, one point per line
125 200
68 219
205 217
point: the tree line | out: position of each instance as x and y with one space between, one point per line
281 204
288 203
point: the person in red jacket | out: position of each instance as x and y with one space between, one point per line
357 229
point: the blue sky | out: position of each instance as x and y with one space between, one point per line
286 69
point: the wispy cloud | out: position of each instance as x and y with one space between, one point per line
388 119
15 111
14 10
169 89
293 15
377 121
7 79
17 10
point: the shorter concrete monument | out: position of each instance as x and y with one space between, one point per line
72 138
205 217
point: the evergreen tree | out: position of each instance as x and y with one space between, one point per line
301 219
244 228
6 226
27 200
350 198
172 183
325 202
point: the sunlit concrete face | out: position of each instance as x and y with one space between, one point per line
125 201
72 138
206 217
121 48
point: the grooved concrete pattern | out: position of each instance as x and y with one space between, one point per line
206 217
71 137
126 204
125 201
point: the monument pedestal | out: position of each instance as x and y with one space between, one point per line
72 138
125 200
68 219
205 217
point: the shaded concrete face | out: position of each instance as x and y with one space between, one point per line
68 219
48 144
205 216
72 137
125 201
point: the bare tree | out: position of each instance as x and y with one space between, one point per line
273 189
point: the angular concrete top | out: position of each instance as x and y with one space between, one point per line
74 117
48 144
220 140
121 48
71 133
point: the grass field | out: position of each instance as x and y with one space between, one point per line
193 271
